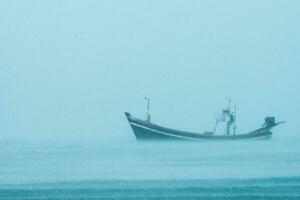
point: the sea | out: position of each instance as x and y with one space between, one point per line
128 169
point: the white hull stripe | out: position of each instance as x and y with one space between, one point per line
184 137
164 133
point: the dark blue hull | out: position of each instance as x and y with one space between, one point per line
144 130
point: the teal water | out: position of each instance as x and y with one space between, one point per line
130 169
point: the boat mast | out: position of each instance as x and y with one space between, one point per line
148 119
234 125
228 117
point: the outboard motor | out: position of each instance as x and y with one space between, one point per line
269 122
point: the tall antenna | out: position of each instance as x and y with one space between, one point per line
148 119
229 103
234 125
228 116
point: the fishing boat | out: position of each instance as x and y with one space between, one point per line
146 130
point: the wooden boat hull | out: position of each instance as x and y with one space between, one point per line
144 130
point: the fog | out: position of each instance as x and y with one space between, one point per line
70 69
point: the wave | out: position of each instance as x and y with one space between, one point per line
264 188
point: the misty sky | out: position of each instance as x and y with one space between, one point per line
69 69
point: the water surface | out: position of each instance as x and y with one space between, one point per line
127 168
